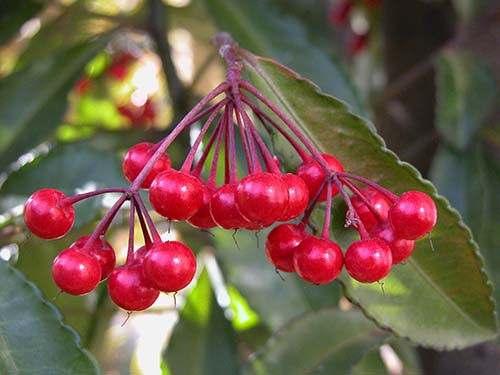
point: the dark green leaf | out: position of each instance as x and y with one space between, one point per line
439 298
466 93
256 25
328 341
33 339
470 180
203 342
33 100
13 14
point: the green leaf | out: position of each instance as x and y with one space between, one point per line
33 338
470 180
13 14
439 298
203 342
328 341
258 26
33 100
466 94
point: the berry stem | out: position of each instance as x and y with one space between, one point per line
263 116
181 126
361 196
188 162
199 166
244 140
212 177
227 176
144 228
325 233
149 221
312 204
389 194
79 197
232 145
131 232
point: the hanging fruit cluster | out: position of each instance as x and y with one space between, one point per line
235 111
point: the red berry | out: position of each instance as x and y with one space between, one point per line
262 197
140 254
281 244
368 260
129 290
318 260
76 272
176 195
298 197
202 218
100 249
83 85
401 249
413 215
137 157
224 211
48 215
379 203
313 175
169 266
357 43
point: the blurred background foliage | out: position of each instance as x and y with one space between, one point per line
81 81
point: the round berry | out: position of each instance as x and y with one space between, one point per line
368 260
379 203
314 175
202 218
413 215
401 249
298 197
47 214
318 260
136 159
169 266
176 195
262 197
281 244
102 250
224 211
129 290
76 272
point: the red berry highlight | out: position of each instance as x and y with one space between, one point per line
380 204
298 197
202 218
281 244
47 214
75 272
368 260
136 159
224 211
100 249
401 249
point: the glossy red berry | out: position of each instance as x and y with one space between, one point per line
202 218
313 175
169 266
298 197
262 197
129 290
281 244
176 195
413 215
318 260
368 260
379 203
140 254
48 215
401 249
137 157
102 250
76 272
224 211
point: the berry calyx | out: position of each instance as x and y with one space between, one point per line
261 198
401 249
318 260
102 250
202 218
314 175
368 260
224 211
129 290
137 157
281 244
298 197
169 266
75 272
413 215
379 203
48 215
176 195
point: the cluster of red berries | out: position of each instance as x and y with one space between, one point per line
339 14
388 225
